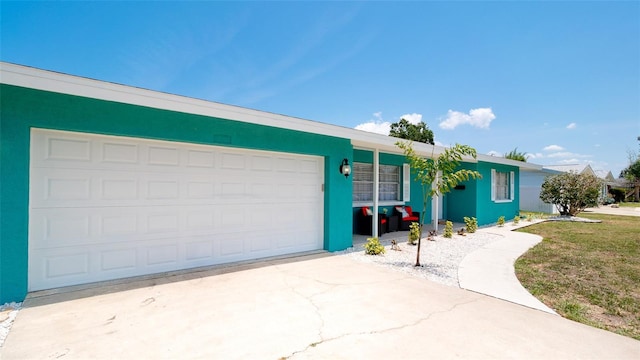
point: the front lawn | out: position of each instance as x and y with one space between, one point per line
629 204
587 272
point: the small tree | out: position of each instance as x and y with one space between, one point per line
437 175
415 132
571 192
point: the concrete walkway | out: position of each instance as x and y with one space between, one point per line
314 307
608 210
489 270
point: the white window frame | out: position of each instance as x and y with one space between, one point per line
509 188
363 182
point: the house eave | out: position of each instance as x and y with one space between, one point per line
29 77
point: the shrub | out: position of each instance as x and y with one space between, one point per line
414 233
471 224
373 247
571 192
501 221
448 229
516 219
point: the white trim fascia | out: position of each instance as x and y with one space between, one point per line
29 77
500 160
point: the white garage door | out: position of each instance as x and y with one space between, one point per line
105 207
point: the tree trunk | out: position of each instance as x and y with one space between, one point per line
418 252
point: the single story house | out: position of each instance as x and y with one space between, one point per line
531 184
101 181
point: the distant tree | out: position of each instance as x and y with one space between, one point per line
437 175
571 192
515 155
419 132
632 172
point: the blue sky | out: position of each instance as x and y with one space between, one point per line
558 80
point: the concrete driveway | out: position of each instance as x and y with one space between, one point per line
316 306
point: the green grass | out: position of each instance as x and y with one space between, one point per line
587 272
629 204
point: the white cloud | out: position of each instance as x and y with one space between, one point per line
494 153
553 148
376 125
480 118
412 118
535 156
379 126
566 154
573 161
572 126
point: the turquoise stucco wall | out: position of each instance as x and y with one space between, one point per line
489 211
22 108
463 202
475 199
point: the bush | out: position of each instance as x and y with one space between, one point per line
448 229
516 220
571 192
414 233
373 247
471 224
501 221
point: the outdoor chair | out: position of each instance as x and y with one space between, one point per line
365 218
406 216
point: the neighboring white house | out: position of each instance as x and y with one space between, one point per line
531 184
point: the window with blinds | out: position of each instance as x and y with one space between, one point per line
362 182
390 182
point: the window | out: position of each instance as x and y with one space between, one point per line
362 182
390 183
502 185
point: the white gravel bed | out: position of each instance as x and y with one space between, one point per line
439 259
8 313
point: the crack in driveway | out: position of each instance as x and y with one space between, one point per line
318 311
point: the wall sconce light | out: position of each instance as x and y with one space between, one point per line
345 168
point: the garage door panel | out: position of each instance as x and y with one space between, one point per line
233 161
118 259
104 207
200 188
66 148
119 152
162 155
162 254
199 251
201 159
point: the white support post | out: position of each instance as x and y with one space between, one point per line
435 208
376 187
